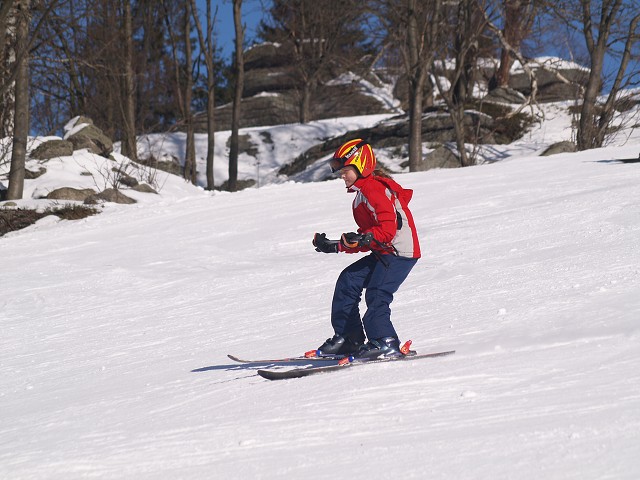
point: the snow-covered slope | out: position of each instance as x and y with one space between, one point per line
115 331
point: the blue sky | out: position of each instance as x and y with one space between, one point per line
252 12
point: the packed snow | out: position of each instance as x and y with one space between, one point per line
116 328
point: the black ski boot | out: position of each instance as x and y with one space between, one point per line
338 345
379 348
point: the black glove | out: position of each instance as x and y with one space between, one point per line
323 244
355 240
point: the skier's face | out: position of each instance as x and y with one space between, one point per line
349 175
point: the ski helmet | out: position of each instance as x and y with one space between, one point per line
357 153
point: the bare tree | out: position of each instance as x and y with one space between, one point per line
190 170
517 54
129 144
7 76
238 68
21 122
184 81
324 38
70 69
207 47
10 65
108 64
422 32
80 65
413 28
466 25
616 24
518 20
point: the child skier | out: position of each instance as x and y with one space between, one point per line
386 229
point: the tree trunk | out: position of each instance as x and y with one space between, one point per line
237 98
417 76
129 143
211 132
211 99
305 103
21 125
457 115
518 18
190 153
7 83
415 126
419 28
470 26
502 72
208 49
587 125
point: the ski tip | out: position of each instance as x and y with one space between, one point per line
269 375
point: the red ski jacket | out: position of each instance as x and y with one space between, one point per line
381 207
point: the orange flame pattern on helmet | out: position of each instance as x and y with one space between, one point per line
359 154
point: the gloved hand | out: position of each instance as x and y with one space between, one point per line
323 244
355 240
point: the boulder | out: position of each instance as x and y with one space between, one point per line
144 188
550 87
52 149
127 180
271 79
77 121
68 193
240 184
346 100
31 175
282 107
266 55
109 195
437 127
505 95
441 157
265 109
171 165
560 147
271 93
245 145
82 133
93 139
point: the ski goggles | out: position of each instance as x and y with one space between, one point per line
337 164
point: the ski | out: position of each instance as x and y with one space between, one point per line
305 372
314 356
628 160
300 358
